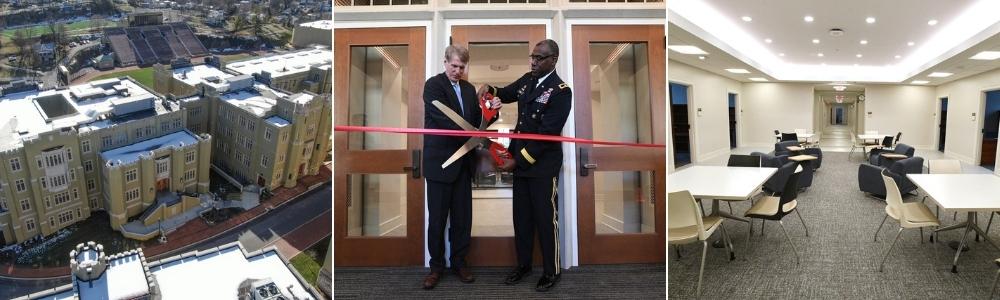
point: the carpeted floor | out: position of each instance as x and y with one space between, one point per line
640 281
839 258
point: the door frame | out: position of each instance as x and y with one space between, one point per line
692 129
981 120
496 250
937 123
739 110
622 248
379 251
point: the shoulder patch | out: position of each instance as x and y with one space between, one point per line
563 85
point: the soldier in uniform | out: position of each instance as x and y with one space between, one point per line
543 104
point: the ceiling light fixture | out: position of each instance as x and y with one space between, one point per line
839 88
870 20
898 57
932 22
939 74
864 42
819 54
815 41
687 49
781 54
986 55
738 71
758 79
910 44
768 41
808 18
701 57
919 82
747 18
858 55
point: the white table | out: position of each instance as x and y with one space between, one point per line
801 136
970 193
877 137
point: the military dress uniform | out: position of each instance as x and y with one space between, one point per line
542 109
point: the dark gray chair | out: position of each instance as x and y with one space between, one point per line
790 137
870 176
781 148
737 160
818 153
875 157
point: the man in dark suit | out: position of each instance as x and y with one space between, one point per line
449 190
543 104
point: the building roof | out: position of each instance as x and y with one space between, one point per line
218 273
130 153
257 100
128 278
284 64
201 74
277 121
90 106
321 24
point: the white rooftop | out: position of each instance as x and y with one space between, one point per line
257 100
277 121
201 73
130 153
284 64
21 118
218 274
127 278
322 24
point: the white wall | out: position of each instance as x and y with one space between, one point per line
710 92
965 96
770 106
902 108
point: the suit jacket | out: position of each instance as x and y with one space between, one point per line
541 110
437 149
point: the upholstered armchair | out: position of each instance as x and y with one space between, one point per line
870 178
875 157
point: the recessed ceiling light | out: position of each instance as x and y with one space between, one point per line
858 55
781 54
808 18
819 54
701 57
738 71
939 74
687 49
747 18
898 57
919 81
910 44
815 41
864 42
839 88
855 65
932 22
823 64
986 55
758 79
768 41
870 20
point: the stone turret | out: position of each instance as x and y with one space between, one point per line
88 261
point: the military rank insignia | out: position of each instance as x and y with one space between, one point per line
544 98
521 91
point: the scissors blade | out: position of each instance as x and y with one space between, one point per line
455 117
468 146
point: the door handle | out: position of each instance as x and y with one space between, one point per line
585 164
414 167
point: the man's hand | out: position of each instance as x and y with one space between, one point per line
481 91
495 103
508 165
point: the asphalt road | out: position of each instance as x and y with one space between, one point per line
253 235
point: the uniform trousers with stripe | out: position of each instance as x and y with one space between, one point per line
536 211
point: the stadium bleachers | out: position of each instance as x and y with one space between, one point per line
146 45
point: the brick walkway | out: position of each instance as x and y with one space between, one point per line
197 230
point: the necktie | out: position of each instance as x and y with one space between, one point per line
458 92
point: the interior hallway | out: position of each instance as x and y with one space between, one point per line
836 138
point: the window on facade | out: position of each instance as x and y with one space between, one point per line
19 186
130 175
162 166
281 158
189 157
106 141
69 154
91 185
25 205
149 130
263 161
248 143
3 204
246 161
15 164
267 134
189 175
41 181
88 166
164 127
195 111
65 217
76 194
29 224
177 122
72 175
132 195
85 146
138 132
122 138
48 203
62 198
58 180
284 137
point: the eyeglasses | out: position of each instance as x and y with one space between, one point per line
539 57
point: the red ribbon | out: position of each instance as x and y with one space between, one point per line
490 134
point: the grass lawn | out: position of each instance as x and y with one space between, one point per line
234 57
144 76
309 262
38 30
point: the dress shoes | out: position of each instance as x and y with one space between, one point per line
432 280
464 275
515 276
547 282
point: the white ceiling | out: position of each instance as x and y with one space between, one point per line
963 26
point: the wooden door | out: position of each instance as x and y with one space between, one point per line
490 47
378 189
619 94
